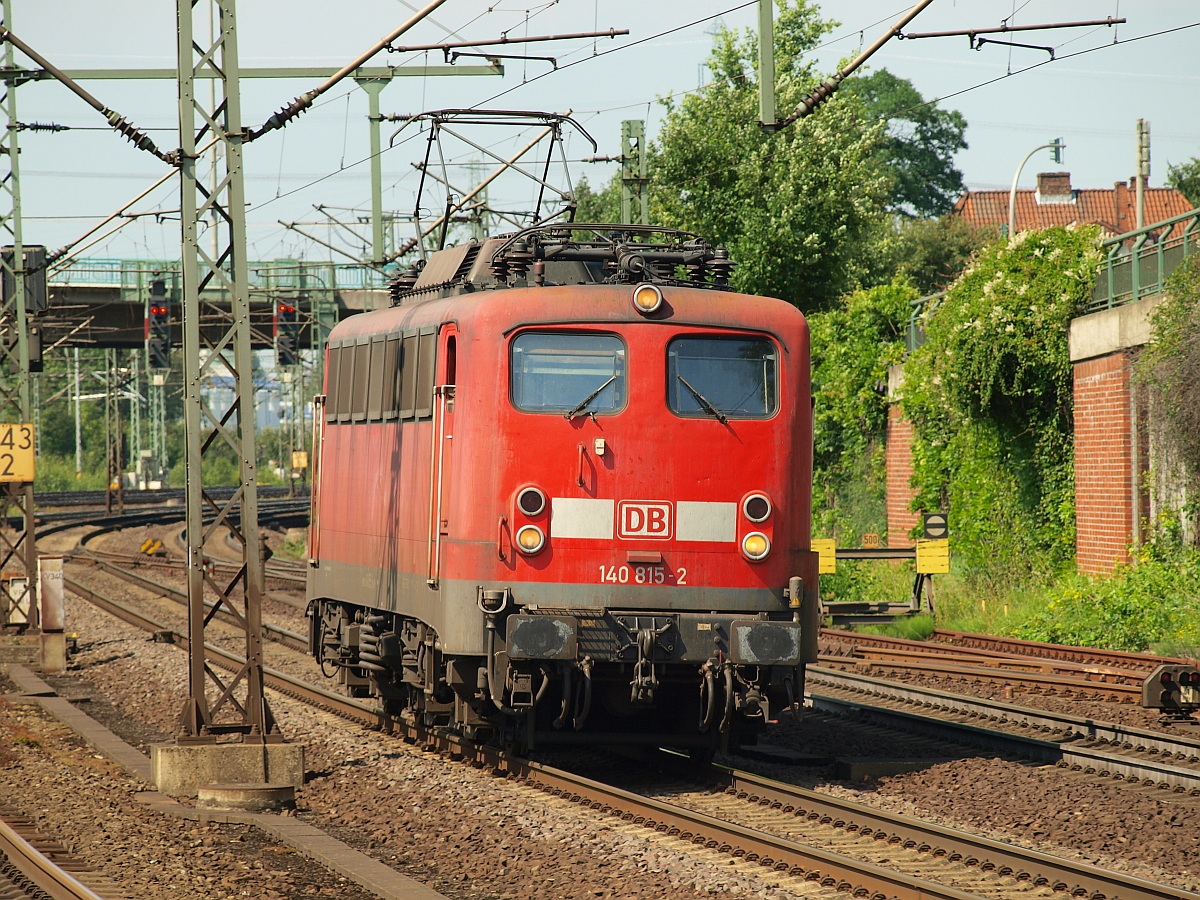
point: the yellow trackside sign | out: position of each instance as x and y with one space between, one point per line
933 557
16 453
299 459
827 560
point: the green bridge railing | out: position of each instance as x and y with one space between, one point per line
1135 266
132 276
1137 263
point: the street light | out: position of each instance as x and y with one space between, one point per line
1056 148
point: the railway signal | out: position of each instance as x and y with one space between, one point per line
158 327
1174 688
287 334
1056 150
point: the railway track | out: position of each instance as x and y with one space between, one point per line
798 833
1073 742
32 866
1021 665
980 866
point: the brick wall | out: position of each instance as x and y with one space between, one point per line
900 519
1105 461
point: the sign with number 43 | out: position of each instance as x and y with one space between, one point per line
16 453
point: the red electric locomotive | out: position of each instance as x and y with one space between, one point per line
562 491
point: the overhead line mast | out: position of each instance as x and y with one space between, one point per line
16 409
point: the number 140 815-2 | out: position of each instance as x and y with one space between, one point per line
642 575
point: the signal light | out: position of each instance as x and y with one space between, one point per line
647 298
530 539
1173 688
756 546
531 501
756 507
158 327
287 334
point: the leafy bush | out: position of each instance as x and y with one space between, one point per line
867 581
1170 367
57 473
1151 600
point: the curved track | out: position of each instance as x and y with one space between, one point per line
967 867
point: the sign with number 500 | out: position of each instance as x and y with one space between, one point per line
16 453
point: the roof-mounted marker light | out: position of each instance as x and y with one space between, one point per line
647 299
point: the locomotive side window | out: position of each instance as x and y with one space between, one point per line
331 392
382 378
345 381
362 369
723 377
375 380
426 357
390 398
572 373
408 377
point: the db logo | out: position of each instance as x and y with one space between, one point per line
644 519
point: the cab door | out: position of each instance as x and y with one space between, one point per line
442 455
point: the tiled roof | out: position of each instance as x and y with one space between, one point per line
1114 209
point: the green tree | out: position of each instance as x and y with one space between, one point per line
1170 368
853 346
801 211
918 149
1185 178
934 252
598 206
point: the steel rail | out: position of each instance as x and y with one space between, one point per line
1059 656
276 570
829 868
1077 879
39 869
1016 646
1000 674
1061 752
339 704
289 639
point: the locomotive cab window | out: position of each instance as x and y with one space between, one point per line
722 377
568 372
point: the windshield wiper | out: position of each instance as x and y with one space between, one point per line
704 402
586 401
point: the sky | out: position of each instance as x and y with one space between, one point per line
1101 81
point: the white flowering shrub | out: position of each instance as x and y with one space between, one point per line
989 395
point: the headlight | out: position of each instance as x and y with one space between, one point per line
531 501
756 546
530 539
647 298
757 507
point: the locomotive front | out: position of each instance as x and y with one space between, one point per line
616 501
649 454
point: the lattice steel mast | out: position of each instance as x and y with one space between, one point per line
15 376
207 187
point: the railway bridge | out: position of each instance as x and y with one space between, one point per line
102 302
1114 453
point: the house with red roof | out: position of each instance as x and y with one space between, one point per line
1055 202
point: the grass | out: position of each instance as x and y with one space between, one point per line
1153 604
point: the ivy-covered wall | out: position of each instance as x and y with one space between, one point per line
853 345
989 396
